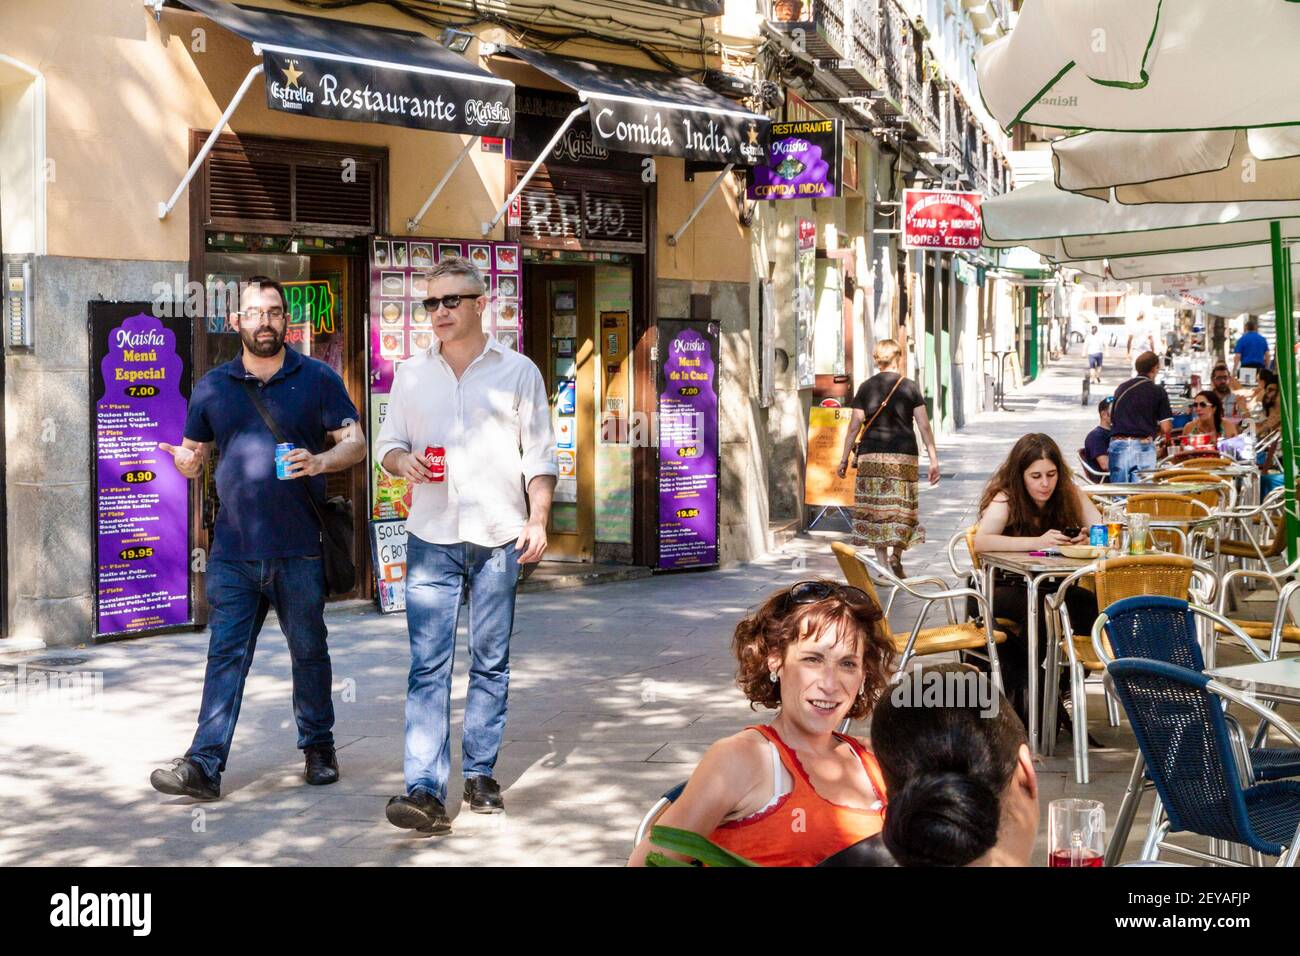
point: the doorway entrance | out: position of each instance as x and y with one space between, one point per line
561 340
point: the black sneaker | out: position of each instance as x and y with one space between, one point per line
185 778
420 811
322 765
484 795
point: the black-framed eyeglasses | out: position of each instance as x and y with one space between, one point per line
810 592
450 301
256 314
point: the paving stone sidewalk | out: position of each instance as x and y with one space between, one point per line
616 691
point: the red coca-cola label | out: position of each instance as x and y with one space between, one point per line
435 458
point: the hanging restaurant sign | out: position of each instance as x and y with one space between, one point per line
941 219
803 162
636 126
653 113
373 93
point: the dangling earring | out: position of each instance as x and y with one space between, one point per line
771 675
862 691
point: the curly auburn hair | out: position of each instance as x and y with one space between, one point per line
779 622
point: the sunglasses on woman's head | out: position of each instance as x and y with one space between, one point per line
810 592
1201 405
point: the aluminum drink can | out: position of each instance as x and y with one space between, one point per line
1099 536
435 459
281 450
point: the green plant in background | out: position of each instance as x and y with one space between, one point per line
692 845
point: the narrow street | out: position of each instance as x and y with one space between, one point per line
616 691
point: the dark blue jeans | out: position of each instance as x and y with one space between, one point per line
437 576
240 593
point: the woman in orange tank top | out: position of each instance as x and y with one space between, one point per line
794 792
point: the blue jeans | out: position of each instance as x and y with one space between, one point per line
240 593
1127 456
437 576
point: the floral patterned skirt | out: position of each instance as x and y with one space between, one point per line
885 503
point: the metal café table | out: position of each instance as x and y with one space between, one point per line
1277 680
1036 570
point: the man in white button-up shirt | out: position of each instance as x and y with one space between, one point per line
469 529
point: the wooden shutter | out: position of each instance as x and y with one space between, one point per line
255 184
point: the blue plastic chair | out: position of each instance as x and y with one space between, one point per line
1163 628
1177 715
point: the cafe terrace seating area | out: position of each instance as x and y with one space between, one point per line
1192 670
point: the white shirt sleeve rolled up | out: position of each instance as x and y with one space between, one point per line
537 437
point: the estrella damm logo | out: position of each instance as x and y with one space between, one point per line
688 512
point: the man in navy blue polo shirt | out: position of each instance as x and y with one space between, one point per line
266 548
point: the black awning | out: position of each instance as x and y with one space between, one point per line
344 71
657 114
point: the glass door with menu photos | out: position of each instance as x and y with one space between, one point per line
562 345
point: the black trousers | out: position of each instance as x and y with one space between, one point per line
1011 603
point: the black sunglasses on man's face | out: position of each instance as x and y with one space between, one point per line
450 301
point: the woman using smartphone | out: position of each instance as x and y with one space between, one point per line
1032 504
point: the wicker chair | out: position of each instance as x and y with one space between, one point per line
1192 755
1164 504
1113 580
1225 496
1199 460
1165 629
920 641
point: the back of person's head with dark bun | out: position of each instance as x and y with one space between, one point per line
948 745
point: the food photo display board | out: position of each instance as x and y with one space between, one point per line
401 327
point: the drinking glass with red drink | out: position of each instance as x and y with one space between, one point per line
1076 833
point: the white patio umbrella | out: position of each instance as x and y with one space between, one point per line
1064 225
1146 65
1206 65
1205 166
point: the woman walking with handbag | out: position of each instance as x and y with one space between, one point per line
885 499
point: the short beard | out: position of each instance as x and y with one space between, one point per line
262 349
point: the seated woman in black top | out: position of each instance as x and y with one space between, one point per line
1031 504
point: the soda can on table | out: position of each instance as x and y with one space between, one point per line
1099 536
435 459
282 450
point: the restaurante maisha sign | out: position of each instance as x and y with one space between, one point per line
356 92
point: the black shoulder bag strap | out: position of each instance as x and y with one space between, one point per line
862 432
278 435
336 532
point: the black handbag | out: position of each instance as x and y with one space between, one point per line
336 520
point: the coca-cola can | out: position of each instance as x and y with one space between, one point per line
435 459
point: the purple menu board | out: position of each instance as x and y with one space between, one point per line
688 444
140 384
